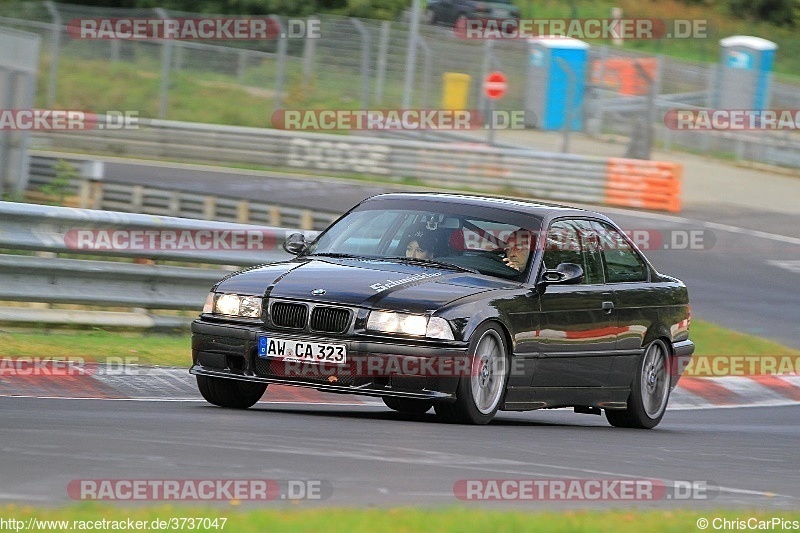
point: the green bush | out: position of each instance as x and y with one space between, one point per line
780 12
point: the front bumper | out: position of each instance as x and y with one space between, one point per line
388 367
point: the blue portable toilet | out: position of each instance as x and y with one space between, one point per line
745 72
547 88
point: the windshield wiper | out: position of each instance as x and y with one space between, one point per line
433 262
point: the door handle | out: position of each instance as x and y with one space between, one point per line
608 307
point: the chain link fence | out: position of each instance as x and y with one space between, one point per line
361 64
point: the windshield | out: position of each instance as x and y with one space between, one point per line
442 239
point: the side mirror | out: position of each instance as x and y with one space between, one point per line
563 274
295 243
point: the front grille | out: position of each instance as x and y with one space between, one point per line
289 315
330 319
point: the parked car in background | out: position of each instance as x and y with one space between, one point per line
450 12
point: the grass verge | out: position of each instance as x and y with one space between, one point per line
175 350
403 519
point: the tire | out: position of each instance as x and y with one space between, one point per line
479 394
407 405
230 393
430 16
649 395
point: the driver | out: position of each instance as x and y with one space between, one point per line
421 245
518 249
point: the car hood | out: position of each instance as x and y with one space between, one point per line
361 282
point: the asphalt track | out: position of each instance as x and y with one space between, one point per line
369 456
743 275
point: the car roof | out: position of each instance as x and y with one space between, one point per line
538 209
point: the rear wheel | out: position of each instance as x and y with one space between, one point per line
479 393
649 395
230 393
407 405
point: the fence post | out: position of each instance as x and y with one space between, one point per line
115 49
411 54
281 62
209 207
243 211
307 220
426 71
241 63
642 130
309 49
383 46
600 101
174 206
137 198
97 194
274 215
166 65
570 110
365 46
55 52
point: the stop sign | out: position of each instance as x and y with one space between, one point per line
495 85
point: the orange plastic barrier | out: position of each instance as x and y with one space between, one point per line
621 74
645 184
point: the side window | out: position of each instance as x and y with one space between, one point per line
563 245
622 263
592 253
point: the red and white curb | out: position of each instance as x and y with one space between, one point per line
175 384
735 391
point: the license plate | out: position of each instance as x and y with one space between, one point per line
301 350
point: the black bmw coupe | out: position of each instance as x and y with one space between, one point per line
464 304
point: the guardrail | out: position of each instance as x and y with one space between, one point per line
118 282
472 166
89 190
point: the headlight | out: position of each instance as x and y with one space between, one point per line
417 325
397 323
237 305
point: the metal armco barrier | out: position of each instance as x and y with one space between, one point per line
467 166
116 283
89 190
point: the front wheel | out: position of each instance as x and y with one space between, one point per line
649 395
230 393
479 394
